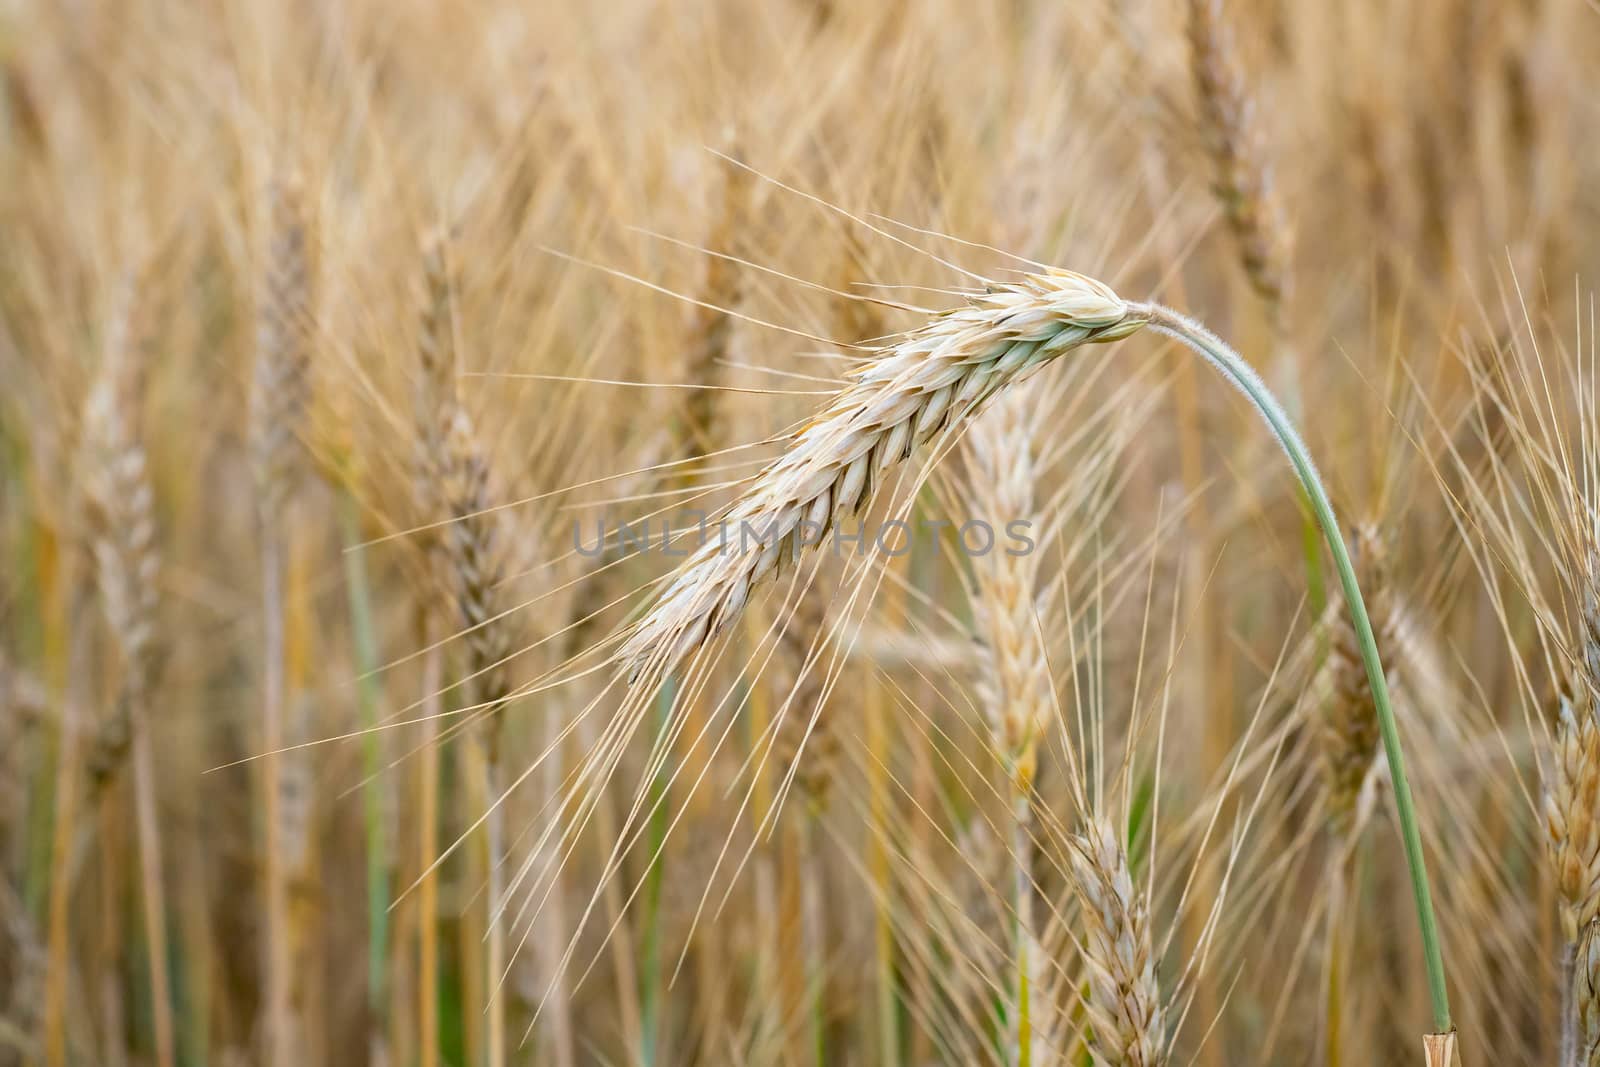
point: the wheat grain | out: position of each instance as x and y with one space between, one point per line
932 379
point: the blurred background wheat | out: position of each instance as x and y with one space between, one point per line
326 326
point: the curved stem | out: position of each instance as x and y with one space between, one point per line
1244 378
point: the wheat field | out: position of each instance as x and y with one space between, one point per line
796 532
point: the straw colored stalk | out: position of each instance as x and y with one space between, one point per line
121 505
278 404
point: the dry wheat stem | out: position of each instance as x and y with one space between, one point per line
935 377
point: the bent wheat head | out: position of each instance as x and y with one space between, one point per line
931 380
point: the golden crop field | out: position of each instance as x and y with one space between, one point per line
799 532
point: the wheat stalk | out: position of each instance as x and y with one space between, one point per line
934 378
1123 1008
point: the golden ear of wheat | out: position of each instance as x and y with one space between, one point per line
1123 1008
1015 689
452 486
1572 811
934 378
1242 181
281 390
121 501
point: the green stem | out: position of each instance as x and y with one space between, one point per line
1244 378
660 822
366 650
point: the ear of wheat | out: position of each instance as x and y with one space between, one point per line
1242 181
452 487
283 357
935 377
1123 1008
1015 690
121 504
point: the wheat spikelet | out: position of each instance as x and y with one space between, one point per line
935 377
283 357
1123 1008
1572 812
1349 728
1242 181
